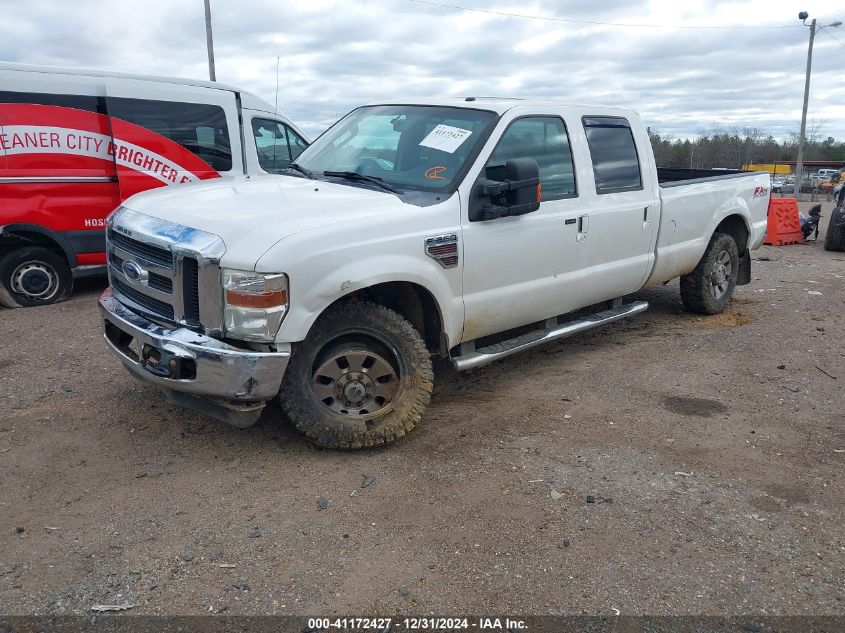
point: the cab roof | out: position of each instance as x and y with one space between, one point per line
499 105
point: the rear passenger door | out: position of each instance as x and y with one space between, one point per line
616 232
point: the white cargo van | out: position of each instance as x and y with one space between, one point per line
74 144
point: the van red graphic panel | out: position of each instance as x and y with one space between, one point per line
51 141
86 164
146 160
43 140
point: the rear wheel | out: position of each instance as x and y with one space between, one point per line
33 276
362 378
834 240
709 287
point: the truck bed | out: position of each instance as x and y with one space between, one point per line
693 202
674 176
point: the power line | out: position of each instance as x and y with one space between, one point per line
595 22
835 39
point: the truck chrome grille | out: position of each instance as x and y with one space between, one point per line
166 271
156 281
149 252
160 308
191 289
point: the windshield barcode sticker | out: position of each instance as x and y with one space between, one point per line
445 138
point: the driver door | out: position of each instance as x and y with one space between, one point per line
515 267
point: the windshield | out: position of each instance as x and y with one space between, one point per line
415 147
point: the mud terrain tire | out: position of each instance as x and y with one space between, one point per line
362 378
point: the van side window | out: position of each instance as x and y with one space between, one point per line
79 102
616 165
544 139
200 128
276 144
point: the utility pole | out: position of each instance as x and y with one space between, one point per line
799 163
209 41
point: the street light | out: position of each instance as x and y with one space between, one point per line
799 164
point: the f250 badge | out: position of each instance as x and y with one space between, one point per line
759 192
443 249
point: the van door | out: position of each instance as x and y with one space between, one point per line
168 134
272 144
2 152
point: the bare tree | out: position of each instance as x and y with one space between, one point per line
735 145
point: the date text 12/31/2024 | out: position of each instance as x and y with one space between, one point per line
416 624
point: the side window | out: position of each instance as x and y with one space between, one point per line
200 128
545 140
616 165
79 102
297 143
271 144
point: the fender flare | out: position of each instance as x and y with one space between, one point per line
451 316
61 241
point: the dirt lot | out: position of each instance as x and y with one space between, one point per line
711 447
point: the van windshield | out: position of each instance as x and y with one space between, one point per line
427 148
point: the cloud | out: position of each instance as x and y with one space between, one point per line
337 55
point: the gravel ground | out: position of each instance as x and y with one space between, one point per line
710 447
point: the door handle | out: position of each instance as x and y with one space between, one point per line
583 228
646 222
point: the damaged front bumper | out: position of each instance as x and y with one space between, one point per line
196 371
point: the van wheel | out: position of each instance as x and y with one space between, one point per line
708 288
362 378
834 240
33 276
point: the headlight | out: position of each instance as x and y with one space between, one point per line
254 303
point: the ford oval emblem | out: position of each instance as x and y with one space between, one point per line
134 272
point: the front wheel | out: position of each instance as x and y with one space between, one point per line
33 276
709 287
362 378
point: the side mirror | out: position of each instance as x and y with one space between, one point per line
523 175
518 194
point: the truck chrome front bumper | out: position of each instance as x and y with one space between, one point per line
191 367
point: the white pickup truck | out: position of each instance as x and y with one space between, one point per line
466 229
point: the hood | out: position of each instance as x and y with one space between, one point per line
251 214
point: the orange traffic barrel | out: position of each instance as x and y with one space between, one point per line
784 225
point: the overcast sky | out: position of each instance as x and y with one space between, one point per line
336 55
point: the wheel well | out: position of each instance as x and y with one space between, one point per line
734 225
11 240
413 302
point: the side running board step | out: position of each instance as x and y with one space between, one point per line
483 355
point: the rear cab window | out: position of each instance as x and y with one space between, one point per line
616 164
